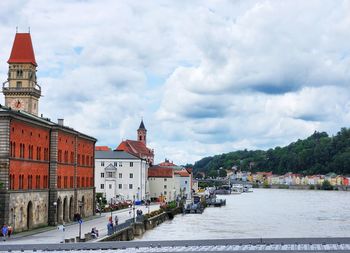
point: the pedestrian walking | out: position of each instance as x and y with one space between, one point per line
4 232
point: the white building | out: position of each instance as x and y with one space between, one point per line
162 183
183 179
120 175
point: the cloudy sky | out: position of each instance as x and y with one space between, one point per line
206 76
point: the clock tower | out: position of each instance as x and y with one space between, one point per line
21 89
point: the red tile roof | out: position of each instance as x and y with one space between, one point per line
158 171
102 148
22 50
136 148
167 163
182 173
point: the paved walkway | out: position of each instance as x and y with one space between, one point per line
53 235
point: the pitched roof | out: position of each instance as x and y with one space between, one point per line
136 148
167 163
22 50
182 173
158 171
142 126
113 155
102 148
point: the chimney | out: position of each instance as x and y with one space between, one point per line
60 122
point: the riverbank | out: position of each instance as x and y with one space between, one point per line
139 225
301 187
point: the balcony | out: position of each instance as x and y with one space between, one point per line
34 91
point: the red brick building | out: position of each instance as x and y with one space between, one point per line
46 168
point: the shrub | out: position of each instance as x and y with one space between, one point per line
311 187
326 185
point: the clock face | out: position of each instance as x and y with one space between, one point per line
17 103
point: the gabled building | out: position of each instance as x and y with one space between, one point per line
121 176
138 148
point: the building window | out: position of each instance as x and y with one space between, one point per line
78 182
110 174
102 175
102 186
45 182
71 157
165 192
185 182
102 163
130 186
165 179
110 186
120 175
71 182
78 159
21 181
59 156
19 85
65 182
131 164
131 175
120 164
120 186
115 164
38 153
83 182
37 182
66 156
165 186
30 182
46 154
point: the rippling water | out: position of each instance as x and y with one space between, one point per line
264 213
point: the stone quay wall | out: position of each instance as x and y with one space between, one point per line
28 209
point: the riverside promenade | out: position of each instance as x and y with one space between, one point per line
52 235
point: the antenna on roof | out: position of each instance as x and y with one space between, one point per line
16 29
28 29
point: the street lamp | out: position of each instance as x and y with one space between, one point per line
100 205
133 208
81 204
56 214
111 210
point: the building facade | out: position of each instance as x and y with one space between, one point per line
46 168
121 176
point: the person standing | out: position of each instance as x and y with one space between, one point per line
10 231
4 231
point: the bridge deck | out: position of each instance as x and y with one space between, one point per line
224 245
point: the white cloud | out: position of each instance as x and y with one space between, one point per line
233 74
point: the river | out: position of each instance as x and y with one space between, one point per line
265 213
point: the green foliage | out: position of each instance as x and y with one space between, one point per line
203 185
317 154
255 185
266 185
153 213
326 185
311 187
283 186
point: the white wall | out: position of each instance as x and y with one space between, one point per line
163 186
122 183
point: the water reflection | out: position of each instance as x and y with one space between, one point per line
264 213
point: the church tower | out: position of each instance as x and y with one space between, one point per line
142 133
21 90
